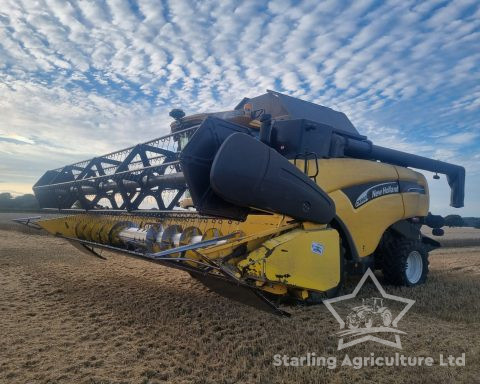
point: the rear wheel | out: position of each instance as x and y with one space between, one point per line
404 262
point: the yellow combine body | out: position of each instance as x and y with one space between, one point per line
284 205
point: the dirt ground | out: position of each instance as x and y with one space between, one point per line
66 317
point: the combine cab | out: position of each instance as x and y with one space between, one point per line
278 198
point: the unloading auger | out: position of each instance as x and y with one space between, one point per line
278 198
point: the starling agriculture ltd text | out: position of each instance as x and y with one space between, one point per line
358 362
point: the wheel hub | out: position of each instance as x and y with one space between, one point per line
414 267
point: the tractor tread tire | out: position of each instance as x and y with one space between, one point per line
394 257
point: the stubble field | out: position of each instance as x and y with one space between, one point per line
66 317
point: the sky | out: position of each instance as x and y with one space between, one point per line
83 78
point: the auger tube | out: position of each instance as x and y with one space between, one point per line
455 173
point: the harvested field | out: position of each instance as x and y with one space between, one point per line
66 317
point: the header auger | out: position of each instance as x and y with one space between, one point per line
286 199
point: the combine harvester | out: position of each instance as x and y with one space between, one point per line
288 199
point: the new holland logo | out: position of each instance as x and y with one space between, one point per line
364 321
376 191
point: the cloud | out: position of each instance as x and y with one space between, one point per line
79 78
459 138
13 138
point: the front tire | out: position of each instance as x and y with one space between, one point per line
405 262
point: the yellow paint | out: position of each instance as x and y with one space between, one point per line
276 289
254 224
302 294
334 174
289 259
415 204
368 222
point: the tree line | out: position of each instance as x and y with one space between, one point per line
459 221
20 202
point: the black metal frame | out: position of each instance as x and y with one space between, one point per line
125 178
30 222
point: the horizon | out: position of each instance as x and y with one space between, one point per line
80 79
